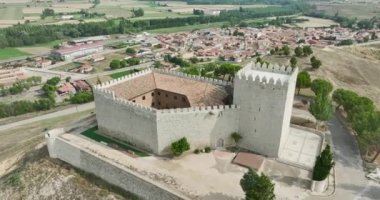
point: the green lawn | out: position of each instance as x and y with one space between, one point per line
9 53
121 74
186 28
93 134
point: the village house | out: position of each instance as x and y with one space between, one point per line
66 88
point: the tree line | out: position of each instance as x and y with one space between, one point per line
27 34
345 21
20 86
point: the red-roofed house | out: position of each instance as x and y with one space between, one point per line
66 88
76 51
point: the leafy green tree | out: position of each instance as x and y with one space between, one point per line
180 146
365 121
272 52
286 50
133 61
323 164
293 62
312 59
157 64
361 104
321 108
137 12
307 51
68 79
47 12
115 64
303 81
298 51
257 187
123 63
345 98
370 141
53 81
130 51
320 86
316 64
82 97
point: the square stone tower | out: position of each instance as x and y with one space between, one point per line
265 95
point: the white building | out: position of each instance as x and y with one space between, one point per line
76 51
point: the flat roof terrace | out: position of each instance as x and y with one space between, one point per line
197 93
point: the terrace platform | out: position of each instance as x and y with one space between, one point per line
301 148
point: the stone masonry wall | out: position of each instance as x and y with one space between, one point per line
126 121
265 109
201 126
109 171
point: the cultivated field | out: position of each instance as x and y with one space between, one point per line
344 69
355 9
315 22
9 53
182 7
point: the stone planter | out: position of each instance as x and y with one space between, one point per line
319 186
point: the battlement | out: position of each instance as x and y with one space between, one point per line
200 109
168 72
193 77
123 79
267 74
275 68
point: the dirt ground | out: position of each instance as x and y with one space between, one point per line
15 142
343 68
38 177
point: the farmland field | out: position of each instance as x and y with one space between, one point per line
359 10
315 22
8 53
186 28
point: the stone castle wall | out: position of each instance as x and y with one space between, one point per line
154 130
262 116
108 170
127 121
202 126
266 104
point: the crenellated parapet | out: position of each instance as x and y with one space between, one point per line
200 109
123 79
267 74
193 77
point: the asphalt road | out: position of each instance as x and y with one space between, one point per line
350 178
60 113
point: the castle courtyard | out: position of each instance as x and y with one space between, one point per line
203 176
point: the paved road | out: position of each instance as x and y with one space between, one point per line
350 180
60 113
140 66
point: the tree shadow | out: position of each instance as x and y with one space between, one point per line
368 191
219 196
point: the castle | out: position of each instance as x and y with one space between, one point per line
153 108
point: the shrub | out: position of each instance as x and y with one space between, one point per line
115 64
207 149
257 186
197 151
82 97
323 165
180 146
130 51
236 137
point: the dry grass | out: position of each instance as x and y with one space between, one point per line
352 10
315 22
344 69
